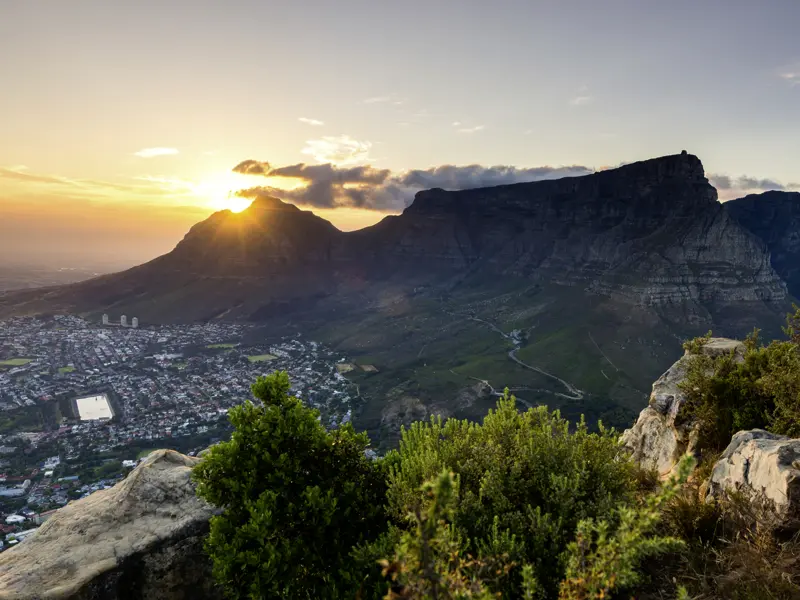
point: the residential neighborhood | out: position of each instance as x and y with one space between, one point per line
81 402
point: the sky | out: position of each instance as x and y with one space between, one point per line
123 123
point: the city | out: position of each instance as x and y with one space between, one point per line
81 403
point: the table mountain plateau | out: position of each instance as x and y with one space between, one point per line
601 276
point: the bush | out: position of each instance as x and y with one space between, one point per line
726 395
524 482
296 499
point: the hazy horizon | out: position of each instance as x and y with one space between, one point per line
128 123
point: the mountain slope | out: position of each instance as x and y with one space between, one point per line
600 276
651 232
774 217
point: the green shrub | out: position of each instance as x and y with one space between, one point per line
296 499
524 483
726 394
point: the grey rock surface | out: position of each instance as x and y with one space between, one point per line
656 440
763 464
140 539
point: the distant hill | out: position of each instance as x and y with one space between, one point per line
602 275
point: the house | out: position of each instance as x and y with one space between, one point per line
15 519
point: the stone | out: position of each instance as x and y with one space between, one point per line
761 464
143 538
656 441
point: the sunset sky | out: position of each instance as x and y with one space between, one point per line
124 122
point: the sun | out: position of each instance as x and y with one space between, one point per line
219 191
236 203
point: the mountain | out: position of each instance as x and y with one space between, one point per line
774 217
600 277
652 232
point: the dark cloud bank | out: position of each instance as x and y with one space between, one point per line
329 186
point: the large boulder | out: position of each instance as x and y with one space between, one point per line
762 465
142 538
656 440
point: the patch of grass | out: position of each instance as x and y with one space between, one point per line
64 370
220 346
15 362
144 453
261 358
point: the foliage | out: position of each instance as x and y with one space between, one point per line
728 393
603 558
428 561
296 501
525 481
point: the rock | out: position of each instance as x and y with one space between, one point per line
140 539
761 463
656 440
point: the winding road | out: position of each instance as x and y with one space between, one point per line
573 393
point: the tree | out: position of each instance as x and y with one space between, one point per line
296 501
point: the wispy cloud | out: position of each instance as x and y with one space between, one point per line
153 152
339 150
471 129
791 76
582 97
392 99
581 100
150 188
307 121
19 173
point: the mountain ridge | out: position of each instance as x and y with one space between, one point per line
651 232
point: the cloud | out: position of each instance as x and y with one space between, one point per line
471 129
791 75
581 100
19 174
451 177
726 182
386 99
153 152
340 150
329 186
736 187
308 121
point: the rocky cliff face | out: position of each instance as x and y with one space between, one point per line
651 233
657 440
141 539
774 217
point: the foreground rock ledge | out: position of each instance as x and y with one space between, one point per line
656 441
762 464
140 539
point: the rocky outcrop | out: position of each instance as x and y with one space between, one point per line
140 539
762 465
657 441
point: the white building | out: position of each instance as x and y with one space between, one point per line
14 519
123 320
105 319
135 322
